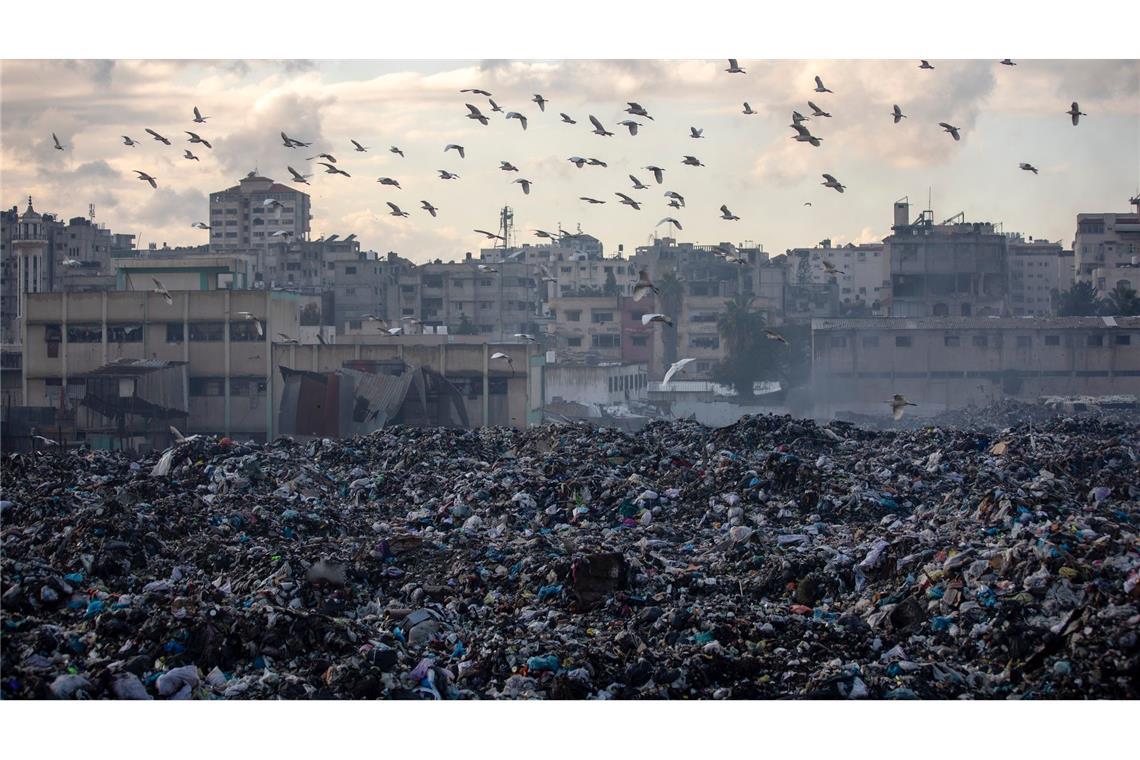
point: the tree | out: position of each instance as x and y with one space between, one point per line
611 286
751 355
465 327
310 315
1122 302
672 292
1078 301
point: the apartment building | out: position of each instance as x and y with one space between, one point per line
256 213
1038 271
1106 249
862 278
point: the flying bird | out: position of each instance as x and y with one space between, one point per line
807 203
156 136
1006 62
286 339
644 285
898 114
674 203
396 211
200 226
394 330
671 221
596 162
692 161
1076 113
162 291
298 177
1029 167
330 169
925 64
291 143
198 117
56 141
631 125
803 135
773 335
566 119
798 118
519 116
577 161
495 107
658 172
748 109
898 404
390 182
256 322
832 182
357 146
281 233
677 197
598 128
637 184
635 109
190 156
695 133
525 185
484 93
444 174
728 215
674 368
72 263
733 68
457 148
477 115
819 86
396 150
545 234
829 268
129 142
428 208
486 268
541 102
525 336
817 111
500 356
147 178
196 139
489 236
627 201
648 318
592 201
950 130
507 166
326 156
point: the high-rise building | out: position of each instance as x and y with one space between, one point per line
256 213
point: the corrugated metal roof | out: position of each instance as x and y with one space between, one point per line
134 367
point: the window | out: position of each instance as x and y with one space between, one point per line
485 283
350 270
838 341
980 341
207 386
951 341
1095 341
1052 340
244 330
207 331
966 310
92 333
605 341
706 341
407 288
485 304
902 341
871 341
597 317
574 342
124 333
643 340
1024 341
573 315
1122 340
174 332
350 291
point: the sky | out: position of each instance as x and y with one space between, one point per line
1007 115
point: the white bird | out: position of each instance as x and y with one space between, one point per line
390 182
147 178
477 91
272 203
798 118
70 263
477 115
397 151
291 143
637 184
803 135
950 130
577 161
591 201
541 102
487 268
644 285
649 318
444 174
728 215
157 136
748 109
829 268
676 196
489 236
357 146
256 322
817 111
281 233
326 156
635 109
630 125
671 221
598 128
674 368
733 68
298 177
457 148
507 166
658 172
898 114
129 142
179 438
396 211
428 208
500 356
627 201
198 117
330 169
898 404
596 162
286 339
773 335
519 116
495 107
46 441
56 141
692 161
819 86
1028 167
196 139
200 226
394 330
525 185
1006 62
1076 113
566 119
162 291
524 336
832 182
695 133
924 64
190 156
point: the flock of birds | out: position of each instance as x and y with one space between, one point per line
635 110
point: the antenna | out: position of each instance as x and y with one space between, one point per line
506 225
91 211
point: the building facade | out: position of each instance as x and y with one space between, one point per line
241 218
1107 249
1038 271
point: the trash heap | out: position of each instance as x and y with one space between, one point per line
774 558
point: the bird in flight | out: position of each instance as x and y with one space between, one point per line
658 172
695 133
541 102
1076 113
396 150
196 139
671 221
798 118
566 119
674 368
190 156
157 136
56 141
390 182
898 404
545 234
817 111
507 166
298 177
525 185
396 211
649 318
803 135
677 197
70 263
1006 62
286 339
592 201
627 201
495 107
477 115
631 125
728 215
950 130
291 143
444 174
733 68
691 161
578 161
819 86
129 142
829 267
198 117
898 114
326 156
748 109
925 64
359 148
519 116
330 169
147 178
1028 167
394 330
162 291
596 162
457 148
484 93
428 208
637 184
832 182
486 268
644 285
773 335
635 109
500 356
807 203
598 128
489 236
673 203
525 336
200 226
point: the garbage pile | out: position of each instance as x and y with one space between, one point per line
774 558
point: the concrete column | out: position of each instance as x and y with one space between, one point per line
103 320
63 345
226 362
185 350
266 323
486 384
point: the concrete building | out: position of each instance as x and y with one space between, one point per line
1107 249
241 220
863 280
595 385
951 362
1038 271
955 268
589 329
183 272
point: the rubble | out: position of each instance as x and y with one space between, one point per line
773 558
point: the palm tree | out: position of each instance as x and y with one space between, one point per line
671 293
749 351
1122 301
1079 301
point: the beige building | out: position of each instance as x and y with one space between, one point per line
863 277
241 220
1038 270
946 363
1107 249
